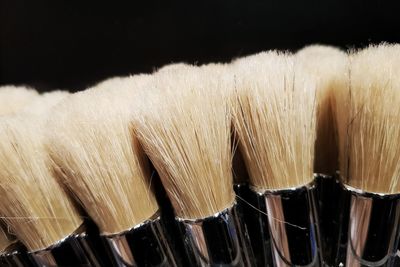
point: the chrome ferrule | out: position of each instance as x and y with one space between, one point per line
288 223
144 245
215 241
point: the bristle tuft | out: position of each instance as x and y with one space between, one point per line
329 67
15 98
184 125
91 141
274 115
31 200
371 120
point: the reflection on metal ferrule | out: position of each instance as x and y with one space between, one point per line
373 229
143 245
213 241
293 226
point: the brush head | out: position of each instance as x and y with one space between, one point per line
329 67
372 120
274 116
13 98
92 144
184 125
31 200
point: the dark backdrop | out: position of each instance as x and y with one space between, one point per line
73 44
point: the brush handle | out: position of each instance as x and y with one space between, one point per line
214 241
16 259
143 246
373 228
292 224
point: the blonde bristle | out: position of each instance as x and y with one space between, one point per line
329 67
31 200
372 120
91 141
15 98
274 116
172 67
184 125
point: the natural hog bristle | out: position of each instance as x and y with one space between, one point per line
329 67
31 200
15 98
44 102
274 116
5 240
92 143
371 119
184 125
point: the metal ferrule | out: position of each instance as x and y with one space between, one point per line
215 240
291 217
70 251
372 222
328 192
144 245
16 256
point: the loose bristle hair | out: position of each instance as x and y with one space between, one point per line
274 116
32 202
15 98
5 240
371 119
184 125
329 67
91 142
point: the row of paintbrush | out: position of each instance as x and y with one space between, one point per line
77 188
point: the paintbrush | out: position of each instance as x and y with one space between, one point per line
183 122
92 144
274 116
369 130
329 67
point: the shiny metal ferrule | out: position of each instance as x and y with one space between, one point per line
289 225
214 241
373 222
144 245
73 250
16 256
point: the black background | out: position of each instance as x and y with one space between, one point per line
73 44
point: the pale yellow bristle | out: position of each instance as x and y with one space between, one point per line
15 98
44 102
91 141
371 119
274 116
329 67
31 200
172 67
183 121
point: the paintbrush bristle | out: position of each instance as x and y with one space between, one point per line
329 67
92 143
274 116
372 120
15 98
184 125
32 201
44 102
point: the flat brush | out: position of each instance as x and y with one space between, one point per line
184 126
329 67
369 135
274 116
15 98
92 144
